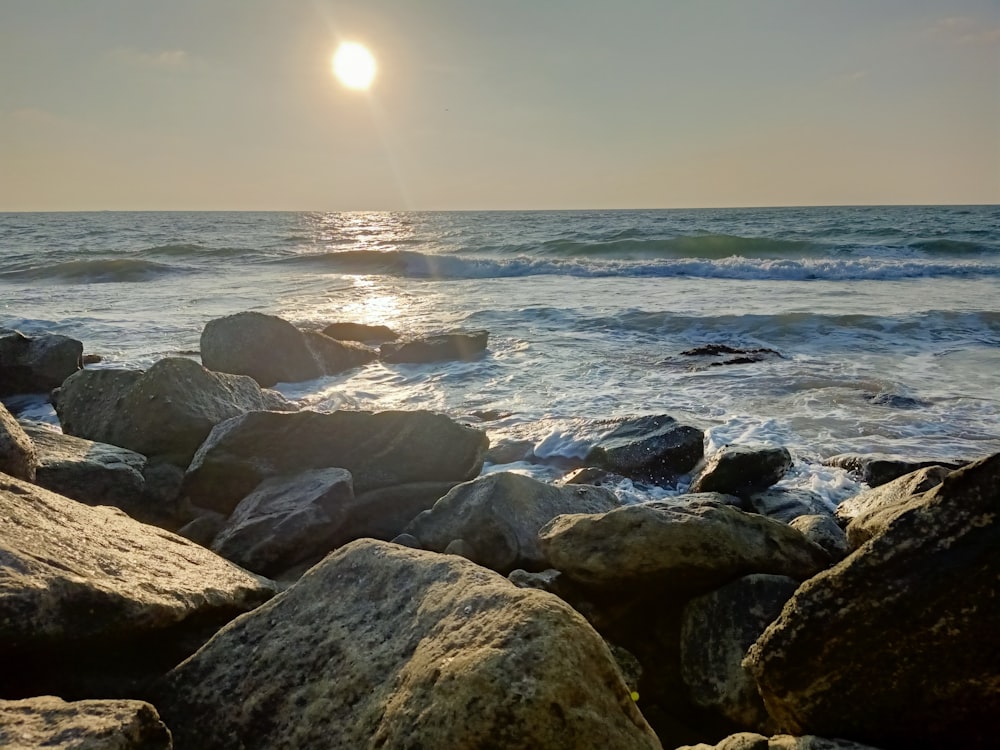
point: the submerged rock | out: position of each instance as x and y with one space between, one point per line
742 471
336 356
53 723
36 364
18 456
653 448
389 647
360 332
437 348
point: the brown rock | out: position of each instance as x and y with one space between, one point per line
50 722
18 456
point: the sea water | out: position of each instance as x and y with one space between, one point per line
884 322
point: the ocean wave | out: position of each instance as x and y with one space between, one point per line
946 247
704 246
100 270
190 250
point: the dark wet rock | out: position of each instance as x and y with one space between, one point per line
753 741
675 548
165 412
719 355
897 645
653 448
50 722
385 512
287 520
785 505
384 646
360 332
875 469
91 600
510 451
203 528
36 364
336 356
379 449
716 631
92 359
592 475
739 470
714 350
498 517
489 415
437 348
701 499
265 347
824 531
18 455
407 540
894 401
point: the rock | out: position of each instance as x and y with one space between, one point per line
752 741
51 722
36 364
719 355
544 580
716 631
384 646
380 450
510 451
784 504
384 513
165 412
336 356
679 549
700 499
738 470
203 528
868 513
824 531
894 400
287 520
499 516
875 469
88 595
438 348
593 476
18 456
359 332
897 645
268 349
654 448
407 540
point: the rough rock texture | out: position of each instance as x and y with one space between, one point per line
752 741
336 356
786 505
693 549
85 588
499 516
875 469
388 647
442 347
654 448
359 332
739 470
898 645
36 364
286 520
384 513
824 531
267 348
716 631
164 412
380 450
50 722
18 455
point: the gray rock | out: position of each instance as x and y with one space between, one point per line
897 645
407 540
675 548
336 356
752 741
437 348
784 504
36 364
824 531
203 528
87 592
380 450
53 723
18 456
876 469
655 449
499 516
384 513
510 451
700 499
739 470
592 475
268 349
287 520
384 646
165 412
716 631
544 580
360 332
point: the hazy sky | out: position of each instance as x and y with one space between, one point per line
495 104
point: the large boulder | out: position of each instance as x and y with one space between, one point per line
654 448
287 520
742 471
50 722
384 646
436 348
680 548
380 450
498 516
165 412
898 644
36 364
716 630
88 595
18 456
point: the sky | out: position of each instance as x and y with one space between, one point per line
498 104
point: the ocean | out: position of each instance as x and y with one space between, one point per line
881 325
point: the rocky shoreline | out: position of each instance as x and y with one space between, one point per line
195 562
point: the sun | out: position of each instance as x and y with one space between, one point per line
354 66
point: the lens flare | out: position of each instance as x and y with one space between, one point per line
354 66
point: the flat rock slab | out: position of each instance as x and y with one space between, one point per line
388 647
78 581
50 722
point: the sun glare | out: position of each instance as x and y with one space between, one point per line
354 66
